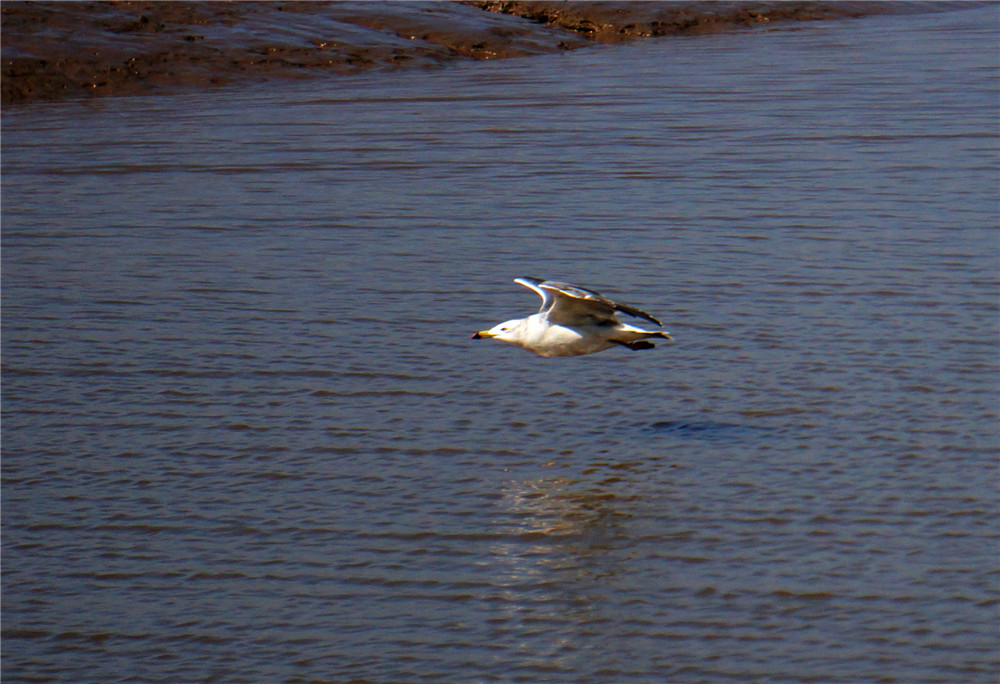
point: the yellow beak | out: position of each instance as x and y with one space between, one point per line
482 335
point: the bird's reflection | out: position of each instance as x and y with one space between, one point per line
562 546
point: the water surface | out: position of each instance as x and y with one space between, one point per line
247 436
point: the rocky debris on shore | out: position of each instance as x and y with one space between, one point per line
55 50
613 22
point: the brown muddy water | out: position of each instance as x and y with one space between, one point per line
55 50
246 436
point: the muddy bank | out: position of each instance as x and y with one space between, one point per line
53 50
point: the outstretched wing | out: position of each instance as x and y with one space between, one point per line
571 305
536 285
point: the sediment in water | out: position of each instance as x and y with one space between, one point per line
54 50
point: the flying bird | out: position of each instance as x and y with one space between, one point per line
573 321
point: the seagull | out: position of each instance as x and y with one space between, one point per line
573 321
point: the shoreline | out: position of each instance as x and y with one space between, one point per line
70 50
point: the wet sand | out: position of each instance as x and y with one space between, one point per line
54 50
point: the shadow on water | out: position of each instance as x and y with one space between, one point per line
708 430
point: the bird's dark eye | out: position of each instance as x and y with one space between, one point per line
503 329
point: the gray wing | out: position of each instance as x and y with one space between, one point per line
571 305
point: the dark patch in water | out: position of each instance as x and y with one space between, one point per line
706 429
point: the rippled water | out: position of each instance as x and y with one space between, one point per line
246 436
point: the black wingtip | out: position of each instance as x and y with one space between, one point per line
638 313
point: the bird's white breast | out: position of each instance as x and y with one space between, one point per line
546 339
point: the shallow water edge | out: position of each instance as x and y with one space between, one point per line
56 50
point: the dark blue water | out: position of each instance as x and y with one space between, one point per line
246 436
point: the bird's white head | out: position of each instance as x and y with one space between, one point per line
508 331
